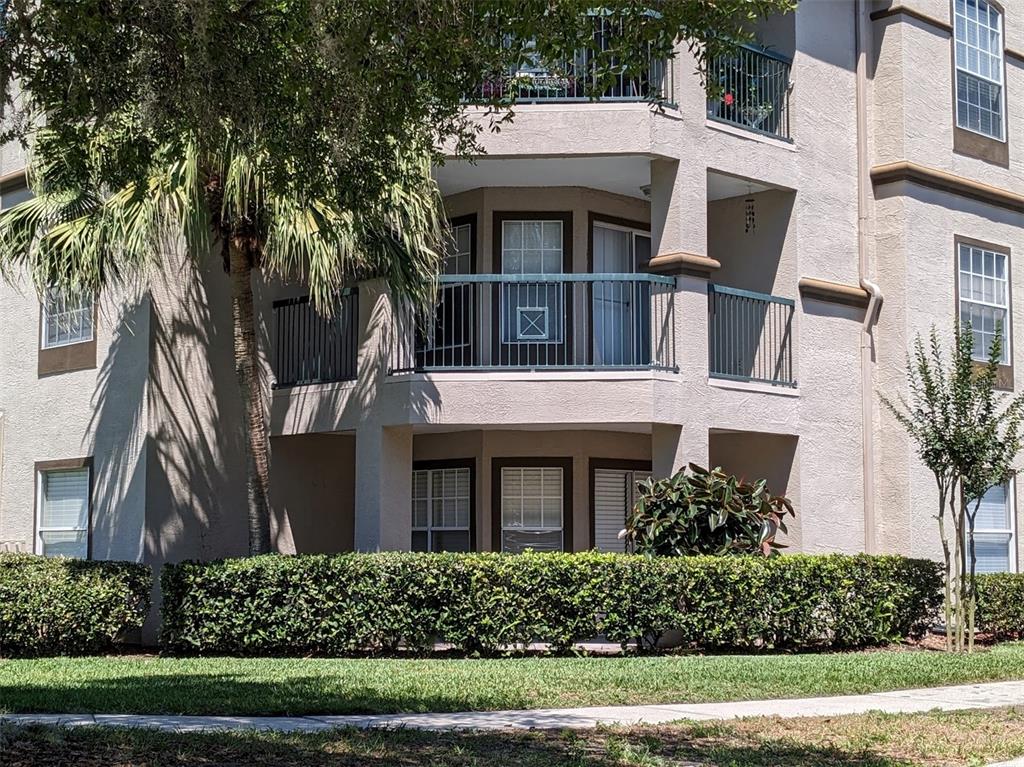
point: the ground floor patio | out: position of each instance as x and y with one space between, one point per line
493 489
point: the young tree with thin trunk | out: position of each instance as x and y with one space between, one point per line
968 435
292 137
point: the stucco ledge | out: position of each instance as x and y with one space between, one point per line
683 263
834 292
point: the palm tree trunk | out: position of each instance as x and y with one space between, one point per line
247 368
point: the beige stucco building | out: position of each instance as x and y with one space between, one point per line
727 282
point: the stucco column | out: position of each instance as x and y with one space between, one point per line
679 207
383 516
673 446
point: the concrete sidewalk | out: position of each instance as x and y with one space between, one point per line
974 696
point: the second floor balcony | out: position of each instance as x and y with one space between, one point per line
543 321
495 322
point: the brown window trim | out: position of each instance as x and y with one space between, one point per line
59 465
608 463
469 218
967 142
1004 377
565 464
456 463
68 358
498 349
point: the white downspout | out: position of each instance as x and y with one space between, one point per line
861 33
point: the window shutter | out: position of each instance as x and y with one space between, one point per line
611 500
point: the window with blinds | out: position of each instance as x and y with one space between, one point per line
615 493
994 531
441 509
63 509
531 508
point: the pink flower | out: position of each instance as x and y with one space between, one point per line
728 99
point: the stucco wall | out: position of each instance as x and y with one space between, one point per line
915 115
764 259
753 456
99 412
313 493
916 229
196 498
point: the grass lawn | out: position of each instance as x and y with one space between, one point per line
135 684
872 740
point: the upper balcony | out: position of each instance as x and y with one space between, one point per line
751 91
573 81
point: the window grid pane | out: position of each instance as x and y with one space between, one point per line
441 509
67 318
531 247
459 255
984 298
979 63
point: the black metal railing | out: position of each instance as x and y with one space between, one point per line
536 80
542 321
312 348
750 336
750 88
574 81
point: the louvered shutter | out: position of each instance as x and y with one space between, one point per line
615 493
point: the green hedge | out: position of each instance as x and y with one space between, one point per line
1001 605
484 603
57 606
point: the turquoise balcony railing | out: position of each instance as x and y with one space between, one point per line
542 321
750 336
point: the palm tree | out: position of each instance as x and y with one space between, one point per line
80 235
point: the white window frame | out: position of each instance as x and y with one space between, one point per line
453 252
1005 308
430 527
40 529
86 306
533 528
634 234
511 292
960 22
1011 500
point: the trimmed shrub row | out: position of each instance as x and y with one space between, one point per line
1001 605
487 603
68 606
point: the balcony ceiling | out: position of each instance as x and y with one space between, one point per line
722 186
619 174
